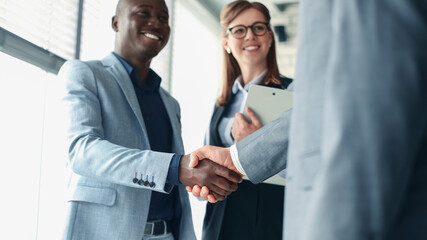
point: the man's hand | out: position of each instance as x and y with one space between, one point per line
220 180
217 154
241 128
203 192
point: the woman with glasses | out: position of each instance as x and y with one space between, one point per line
253 211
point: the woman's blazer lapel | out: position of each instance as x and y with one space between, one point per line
214 138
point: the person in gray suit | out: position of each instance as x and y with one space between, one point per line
126 182
357 161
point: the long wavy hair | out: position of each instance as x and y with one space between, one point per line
231 69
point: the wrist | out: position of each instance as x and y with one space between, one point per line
174 168
235 159
183 170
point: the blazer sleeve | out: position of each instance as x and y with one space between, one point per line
90 154
264 153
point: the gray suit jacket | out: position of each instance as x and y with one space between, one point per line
108 144
357 161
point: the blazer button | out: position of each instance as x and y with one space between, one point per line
152 184
135 179
140 181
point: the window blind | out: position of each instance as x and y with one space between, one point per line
97 35
49 24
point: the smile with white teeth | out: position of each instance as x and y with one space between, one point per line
152 36
251 48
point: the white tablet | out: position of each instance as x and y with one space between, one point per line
268 104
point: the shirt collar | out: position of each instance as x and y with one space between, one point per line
125 64
152 82
238 86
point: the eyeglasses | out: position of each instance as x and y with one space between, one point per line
240 31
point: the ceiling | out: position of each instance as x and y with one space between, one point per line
276 7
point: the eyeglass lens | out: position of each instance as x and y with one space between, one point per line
240 31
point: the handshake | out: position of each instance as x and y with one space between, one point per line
209 173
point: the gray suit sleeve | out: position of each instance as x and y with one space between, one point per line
264 153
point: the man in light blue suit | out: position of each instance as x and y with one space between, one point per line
357 160
125 182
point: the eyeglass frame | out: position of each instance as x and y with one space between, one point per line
229 30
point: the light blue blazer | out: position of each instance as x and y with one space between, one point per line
108 145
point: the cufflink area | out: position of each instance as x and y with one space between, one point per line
140 181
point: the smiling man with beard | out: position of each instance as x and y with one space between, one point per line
128 170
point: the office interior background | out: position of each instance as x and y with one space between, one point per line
37 36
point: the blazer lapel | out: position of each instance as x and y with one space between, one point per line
214 138
174 119
119 73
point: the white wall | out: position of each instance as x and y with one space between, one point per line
196 69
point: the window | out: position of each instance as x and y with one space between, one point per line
97 34
31 175
50 24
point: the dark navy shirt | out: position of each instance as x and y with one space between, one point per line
159 130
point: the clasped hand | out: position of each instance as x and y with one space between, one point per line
220 180
241 128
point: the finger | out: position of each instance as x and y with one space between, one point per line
194 160
228 174
204 192
221 179
234 124
222 186
240 119
196 191
212 199
188 188
212 187
198 155
233 132
216 196
254 119
234 129
211 196
226 187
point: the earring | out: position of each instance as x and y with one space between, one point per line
228 50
